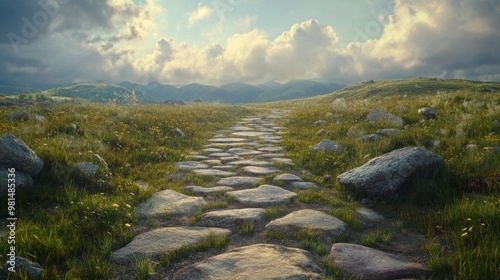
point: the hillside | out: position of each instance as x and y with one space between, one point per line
417 86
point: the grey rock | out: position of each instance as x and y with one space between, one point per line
259 170
18 116
251 162
328 146
158 242
40 119
87 169
212 162
287 178
369 138
172 203
377 117
366 263
227 218
369 215
320 123
178 132
309 219
428 113
240 181
15 153
202 190
34 270
304 185
255 262
367 202
285 161
190 165
263 196
322 132
391 173
243 152
388 131
227 140
213 172
22 180
271 149
250 133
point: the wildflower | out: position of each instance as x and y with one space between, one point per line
115 205
127 225
128 205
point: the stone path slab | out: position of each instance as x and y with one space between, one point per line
287 178
255 262
172 203
190 165
263 195
226 140
226 218
303 185
158 242
367 263
257 170
213 172
308 218
250 162
202 190
240 181
250 133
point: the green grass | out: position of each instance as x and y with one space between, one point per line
70 226
247 228
463 195
379 236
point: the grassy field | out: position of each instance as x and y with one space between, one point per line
459 207
70 227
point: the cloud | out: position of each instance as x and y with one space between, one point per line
90 40
201 13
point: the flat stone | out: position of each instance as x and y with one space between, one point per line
303 185
285 161
226 145
271 156
220 154
226 140
212 161
227 159
271 149
213 172
369 138
190 165
202 190
241 128
367 263
287 178
369 215
258 170
263 195
309 219
243 152
158 242
212 150
388 131
251 162
172 203
255 262
226 218
250 133
270 137
239 181
224 167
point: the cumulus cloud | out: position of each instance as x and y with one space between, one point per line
90 40
201 13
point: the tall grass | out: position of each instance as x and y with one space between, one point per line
71 226
458 207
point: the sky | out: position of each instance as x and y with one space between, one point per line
53 42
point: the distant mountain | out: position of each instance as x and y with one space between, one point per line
100 91
154 92
11 90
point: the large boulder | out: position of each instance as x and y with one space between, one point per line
22 180
360 262
15 153
377 116
391 173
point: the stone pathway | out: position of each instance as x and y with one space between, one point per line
245 166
